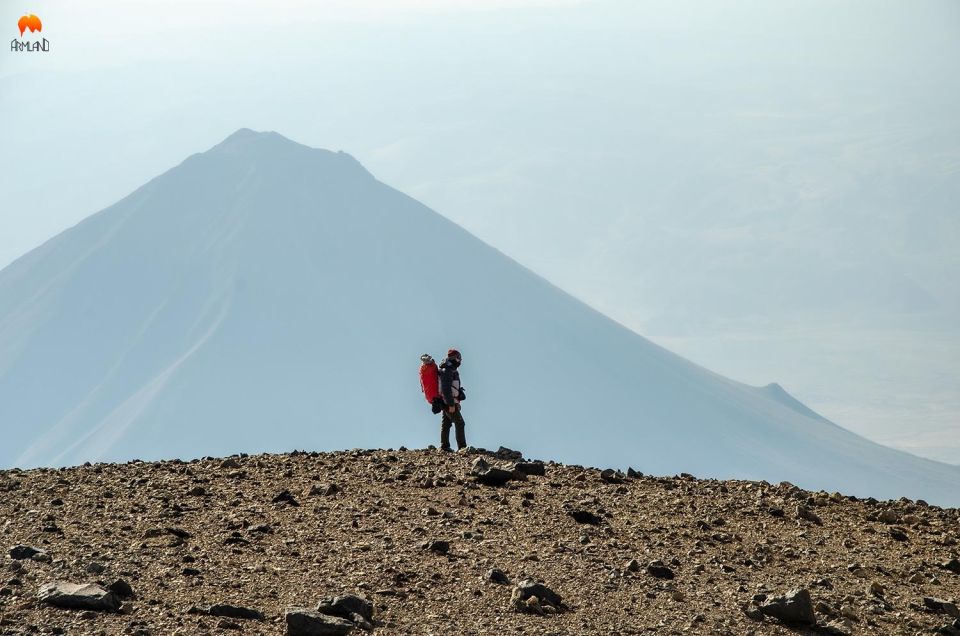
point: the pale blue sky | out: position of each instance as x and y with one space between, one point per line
769 189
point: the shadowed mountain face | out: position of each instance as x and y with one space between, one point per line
265 295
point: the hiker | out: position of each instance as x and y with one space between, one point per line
452 394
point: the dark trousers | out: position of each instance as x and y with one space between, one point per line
449 419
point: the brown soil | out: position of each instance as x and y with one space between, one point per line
727 542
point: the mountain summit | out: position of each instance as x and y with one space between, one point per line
265 295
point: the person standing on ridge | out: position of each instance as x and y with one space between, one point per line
452 394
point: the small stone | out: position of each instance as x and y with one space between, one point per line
888 517
806 514
898 535
121 588
611 476
530 468
286 497
495 575
440 547
658 570
632 566
584 516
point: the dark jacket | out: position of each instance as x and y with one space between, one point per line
450 382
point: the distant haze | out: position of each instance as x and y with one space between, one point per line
769 189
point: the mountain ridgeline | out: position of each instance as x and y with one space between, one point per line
265 295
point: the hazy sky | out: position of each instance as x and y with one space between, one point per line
770 189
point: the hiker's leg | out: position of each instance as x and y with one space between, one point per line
460 424
445 422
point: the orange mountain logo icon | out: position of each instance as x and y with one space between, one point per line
31 22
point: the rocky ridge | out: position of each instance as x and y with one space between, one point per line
424 542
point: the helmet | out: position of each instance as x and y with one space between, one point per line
453 353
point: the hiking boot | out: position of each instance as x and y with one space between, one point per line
446 449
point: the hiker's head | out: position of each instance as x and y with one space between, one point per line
454 356
426 359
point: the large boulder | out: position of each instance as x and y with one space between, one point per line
87 596
302 621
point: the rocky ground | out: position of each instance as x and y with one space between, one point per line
462 543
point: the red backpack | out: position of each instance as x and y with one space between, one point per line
430 381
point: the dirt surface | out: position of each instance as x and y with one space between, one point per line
414 532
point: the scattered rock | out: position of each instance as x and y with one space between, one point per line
506 453
495 575
440 547
794 607
806 514
86 596
306 622
953 565
658 570
346 607
611 476
584 516
545 597
898 535
121 589
234 611
20 552
889 517
286 497
530 468
941 606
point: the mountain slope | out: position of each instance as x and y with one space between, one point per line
264 295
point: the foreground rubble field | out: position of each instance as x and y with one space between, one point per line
461 543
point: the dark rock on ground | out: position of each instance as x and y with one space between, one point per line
794 607
941 606
498 576
307 622
658 570
121 588
612 476
286 497
530 468
20 552
528 589
87 596
346 607
584 516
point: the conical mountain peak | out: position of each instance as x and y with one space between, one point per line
265 295
270 147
